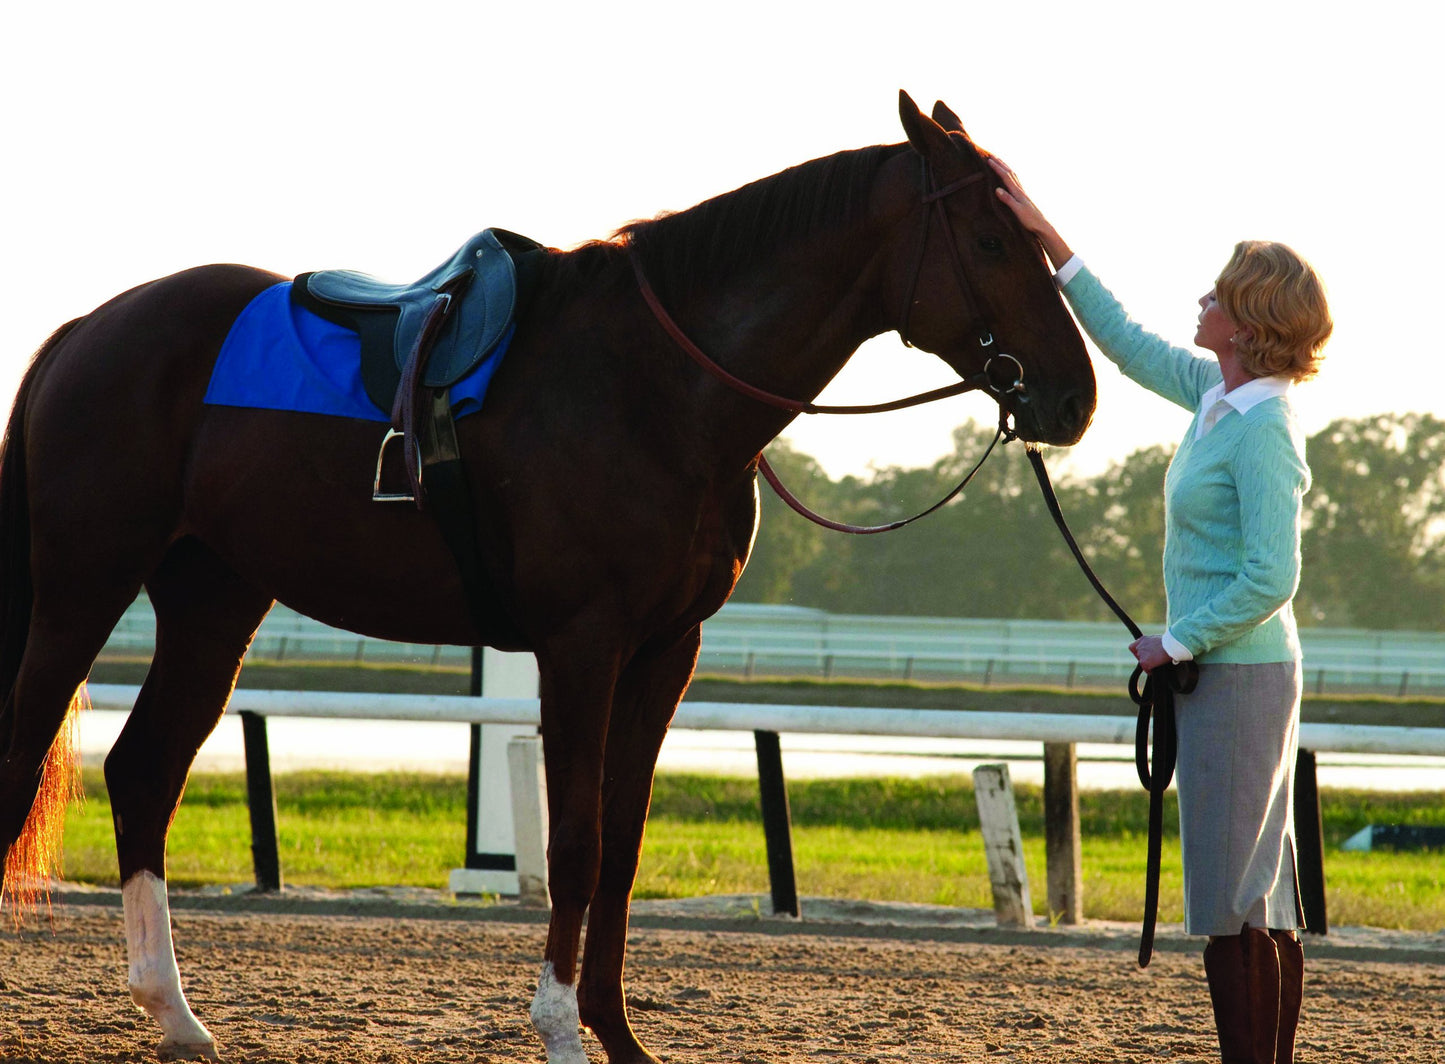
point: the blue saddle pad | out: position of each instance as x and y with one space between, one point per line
280 356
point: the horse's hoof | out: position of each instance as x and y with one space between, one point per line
188 1051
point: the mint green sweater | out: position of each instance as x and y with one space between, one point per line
1232 499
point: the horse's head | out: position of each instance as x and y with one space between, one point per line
975 290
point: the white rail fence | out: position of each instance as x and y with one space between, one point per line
759 716
766 721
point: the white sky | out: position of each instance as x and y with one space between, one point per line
143 138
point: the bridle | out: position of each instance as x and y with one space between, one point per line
986 379
933 205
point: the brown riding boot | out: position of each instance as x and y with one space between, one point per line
1291 991
1244 986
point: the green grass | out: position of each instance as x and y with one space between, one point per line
888 840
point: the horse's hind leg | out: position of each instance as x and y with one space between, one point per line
643 706
65 634
205 617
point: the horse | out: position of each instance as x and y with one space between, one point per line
613 484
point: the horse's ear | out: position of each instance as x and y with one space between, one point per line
944 116
933 141
927 136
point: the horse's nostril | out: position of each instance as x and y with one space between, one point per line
1076 410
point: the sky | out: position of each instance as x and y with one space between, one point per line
143 138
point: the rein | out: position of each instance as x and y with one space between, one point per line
981 380
932 202
1155 699
797 406
1004 433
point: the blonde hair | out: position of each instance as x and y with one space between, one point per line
1269 290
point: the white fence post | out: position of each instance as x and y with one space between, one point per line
529 818
491 857
1003 845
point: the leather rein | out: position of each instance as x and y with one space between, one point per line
932 202
1155 699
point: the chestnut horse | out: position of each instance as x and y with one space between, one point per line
613 482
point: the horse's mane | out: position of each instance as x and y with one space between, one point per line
708 243
704 245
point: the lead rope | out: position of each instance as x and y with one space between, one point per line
1155 700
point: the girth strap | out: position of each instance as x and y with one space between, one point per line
449 497
1155 700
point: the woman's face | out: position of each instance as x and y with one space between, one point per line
1215 330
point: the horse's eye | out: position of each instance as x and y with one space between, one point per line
990 244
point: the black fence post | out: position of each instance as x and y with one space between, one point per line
1309 843
474 765
777 824
261 799
1063 844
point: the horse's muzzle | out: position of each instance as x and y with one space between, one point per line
1059 420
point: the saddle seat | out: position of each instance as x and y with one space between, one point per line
478 287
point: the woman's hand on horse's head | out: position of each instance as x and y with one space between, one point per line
1028 214
1012 192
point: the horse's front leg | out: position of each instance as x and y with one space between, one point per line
577 678
646 699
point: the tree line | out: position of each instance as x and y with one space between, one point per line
1373 540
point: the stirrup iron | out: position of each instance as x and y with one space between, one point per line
377 495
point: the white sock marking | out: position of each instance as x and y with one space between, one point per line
555 1018
155 980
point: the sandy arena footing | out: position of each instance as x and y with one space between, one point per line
392 975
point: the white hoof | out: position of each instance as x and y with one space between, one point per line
172 1050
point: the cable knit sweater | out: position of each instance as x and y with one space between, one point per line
1232 498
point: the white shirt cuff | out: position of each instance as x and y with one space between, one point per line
1067 271
1175 649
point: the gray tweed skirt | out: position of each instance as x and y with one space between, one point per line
1238 737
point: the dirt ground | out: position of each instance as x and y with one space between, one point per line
428 984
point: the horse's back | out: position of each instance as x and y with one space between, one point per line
147 351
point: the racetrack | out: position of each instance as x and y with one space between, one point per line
429 983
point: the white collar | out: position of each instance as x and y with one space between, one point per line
1242 399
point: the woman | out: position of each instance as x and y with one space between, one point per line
1231 566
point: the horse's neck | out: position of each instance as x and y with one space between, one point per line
778 282
786 327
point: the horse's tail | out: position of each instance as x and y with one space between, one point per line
35 854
